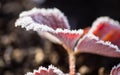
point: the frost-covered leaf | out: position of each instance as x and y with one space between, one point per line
102 39
43 21
44 71
92 44
68 38
51 24
45 18
107 29
115 70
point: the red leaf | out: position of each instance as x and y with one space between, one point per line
115 70
68 38
47 22
50 18
43 21
43 71
107 29
92 44
102 39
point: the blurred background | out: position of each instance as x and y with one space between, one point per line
22 51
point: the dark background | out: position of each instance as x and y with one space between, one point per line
22 51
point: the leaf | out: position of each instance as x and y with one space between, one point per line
92 44
107 29
115 70
44 71
43 21
49 18
51 24
68 38
102 39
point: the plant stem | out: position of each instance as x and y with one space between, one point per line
72 63
71 60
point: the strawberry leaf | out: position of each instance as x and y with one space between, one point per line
50 23
102 39
115 70
50 18
107 29
92 44
44 71
67 37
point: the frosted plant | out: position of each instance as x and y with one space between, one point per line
44 71
52 24
115 70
